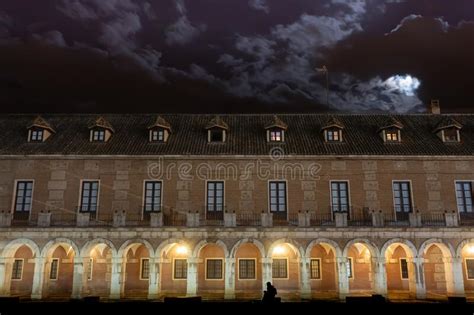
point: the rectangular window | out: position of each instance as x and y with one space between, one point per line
332 135
470 268
89 196
145 269
214 269
315 267
217 135
280 268
340 196
404 268
464 196
37 135
23 198
98 135
215 196
89 268
17 270
277 196
450 135
247 269
402 197
276 136
53 272
180 268
158 135
349 266
391 136
152 196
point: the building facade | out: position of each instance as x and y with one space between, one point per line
323 206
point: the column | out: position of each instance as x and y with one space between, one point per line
305 285
191 283
78 278
411 277
342 279
420 278
116 278
380 275
229 292
154 281
454 276
3 277
266 271
38 278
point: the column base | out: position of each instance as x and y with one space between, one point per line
305 295
114 296
229 296
36 296
152 296
342 296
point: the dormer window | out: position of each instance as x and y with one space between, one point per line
216 130
451 135
159 131
276 130
276 135
98 135
391 136
333 130
40 130
158 135
391 130
448 130
100 130
333 135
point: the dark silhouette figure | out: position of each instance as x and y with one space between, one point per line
269 294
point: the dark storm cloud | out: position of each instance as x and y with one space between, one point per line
228 55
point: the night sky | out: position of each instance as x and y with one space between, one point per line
233 56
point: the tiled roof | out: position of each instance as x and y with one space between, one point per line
392 122
276 122
246 135
217 121
333 122
102 123
447 122
40 122
160 122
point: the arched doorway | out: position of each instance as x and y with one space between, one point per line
174 268
136 275
323 271
248 270
285 271
400 271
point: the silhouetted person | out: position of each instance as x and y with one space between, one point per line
269 294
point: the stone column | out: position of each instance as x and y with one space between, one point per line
191 283
38 278
266 271
341 219
451 219
342 279
454 276
380 275
411 277
229 292
230 219
420 278
116 280
78 278
305 285
3 277
267 219
154 281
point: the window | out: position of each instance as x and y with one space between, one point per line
89 268
17 270
90 193
180 269
280 268
391 136
464 196
53 272
315 268
36 135
215 196
349 266
333 135
402 197
470 268
277 196
144 269
276 135
247 269
214 269
98 135
217 135
158 135
152 196
450 135
23 198
404 268
340 196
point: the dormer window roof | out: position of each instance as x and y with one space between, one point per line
333 130
216 130
39 130
100 130
391 130
276 123
276 130
448 130
160 130
333 122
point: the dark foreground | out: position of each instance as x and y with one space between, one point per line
234 307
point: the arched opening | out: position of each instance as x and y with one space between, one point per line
360 270
211 271
322 271
136 274
467 256
400 271
285 270
436 257
248 272
59 271
21 265
174 267
98 270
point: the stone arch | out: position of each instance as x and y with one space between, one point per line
406 245
373 249
446 248
53 244
12 246
85 250
297 248
166 243
126 245
461 246
200 245
334 246
255 242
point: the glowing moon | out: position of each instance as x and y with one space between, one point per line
403 83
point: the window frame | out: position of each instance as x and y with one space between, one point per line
206 269
333 131
215 196
90 270
36 135
254 269
81 192
447 139
15 195
160 205
276 135
142 260
350 267
101 135
287 268
21 270
319 260
157 132
277 197
470 182
214 131
410 191
173 271
51 269
348 193
401 269
391 132
467 272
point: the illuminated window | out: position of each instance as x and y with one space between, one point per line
23 198
145 269
158 135
98 135
315 267
247 269
391 136
89 196
280 268
470 268
36 135
464 196
402 197
333 135
214 269
349 266
180 268
17 270
404 268
340 196
276 135
53 272
152 196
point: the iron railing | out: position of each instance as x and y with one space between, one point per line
433 219
321 219
248 219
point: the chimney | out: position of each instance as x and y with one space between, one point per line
434 107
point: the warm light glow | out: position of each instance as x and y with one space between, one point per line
181 249
278 250
470 249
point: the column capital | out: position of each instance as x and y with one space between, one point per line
229 260
266 260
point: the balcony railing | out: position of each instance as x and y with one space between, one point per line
321 219
212 218
466 218
433 219
360 217
399 219
249 219
63 218
172 218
